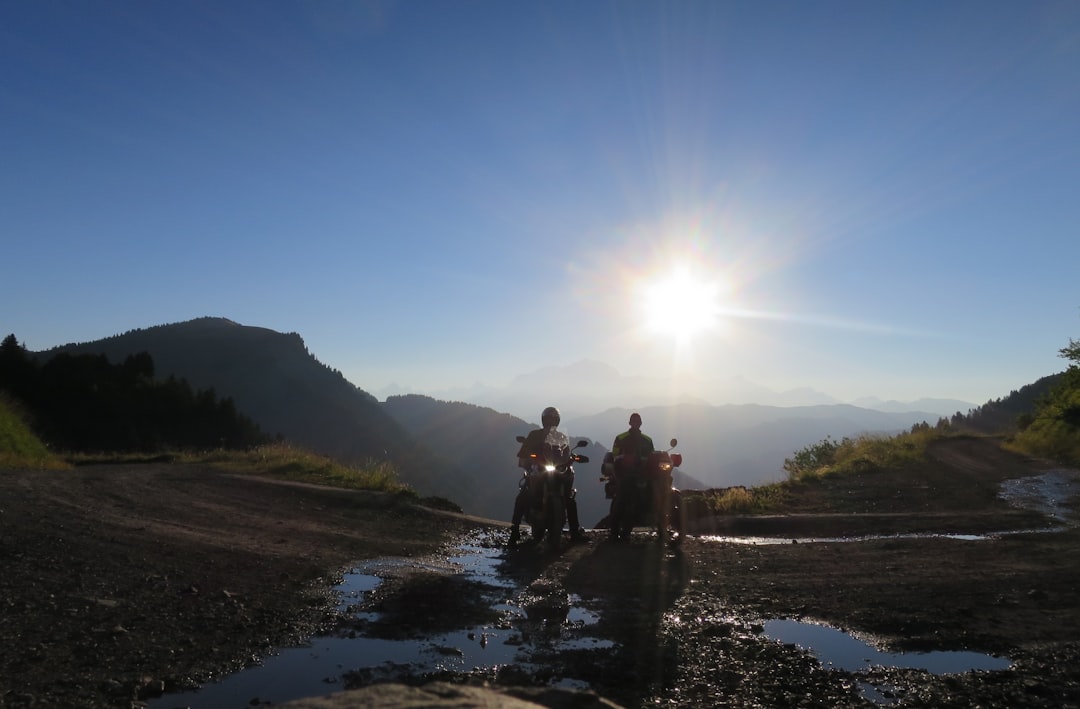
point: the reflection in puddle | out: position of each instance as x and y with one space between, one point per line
837 649
767 541
321 667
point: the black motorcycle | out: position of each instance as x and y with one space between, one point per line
547 484
642 494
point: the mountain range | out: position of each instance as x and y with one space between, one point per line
465 451
588 386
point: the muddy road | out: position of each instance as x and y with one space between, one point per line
123 583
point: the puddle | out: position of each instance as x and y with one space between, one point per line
863 538
839 650
1047 493
521 623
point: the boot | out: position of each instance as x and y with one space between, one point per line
515 536
577 534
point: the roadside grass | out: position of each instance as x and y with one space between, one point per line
275 460
859 455
827 460
737 500
297 464
19 447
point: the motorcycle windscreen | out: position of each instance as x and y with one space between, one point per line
556 447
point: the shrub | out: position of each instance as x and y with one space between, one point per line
733 500
859 455
813 458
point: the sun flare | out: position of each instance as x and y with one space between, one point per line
680 304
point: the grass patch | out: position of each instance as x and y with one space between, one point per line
19 447
735 500
290 463
277 460
858 455
809 466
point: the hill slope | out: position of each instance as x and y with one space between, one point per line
275 380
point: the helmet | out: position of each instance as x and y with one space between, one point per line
635 420
550 417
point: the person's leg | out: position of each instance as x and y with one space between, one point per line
572 521
520 502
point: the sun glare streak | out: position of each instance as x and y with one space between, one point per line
831 323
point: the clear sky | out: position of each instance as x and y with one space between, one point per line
866 198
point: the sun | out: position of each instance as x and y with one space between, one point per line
680 304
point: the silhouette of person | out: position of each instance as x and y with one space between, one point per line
633 443
629 453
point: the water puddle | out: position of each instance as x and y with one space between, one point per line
768 541
836 649
839 650
1048 493
519 618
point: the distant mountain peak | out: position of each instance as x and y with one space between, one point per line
588 371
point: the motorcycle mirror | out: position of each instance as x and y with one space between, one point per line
520 439
674 442
581 444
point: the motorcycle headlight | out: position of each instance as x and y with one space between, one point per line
665 467
549 468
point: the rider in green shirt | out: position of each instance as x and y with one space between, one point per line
633 442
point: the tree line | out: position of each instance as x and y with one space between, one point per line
1042 418
85 403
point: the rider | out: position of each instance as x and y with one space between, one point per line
633 442
534 444
629 451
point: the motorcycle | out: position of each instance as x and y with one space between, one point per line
546 484
642 494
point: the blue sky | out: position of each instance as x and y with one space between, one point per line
874 198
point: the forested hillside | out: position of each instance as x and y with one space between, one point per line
1053 430
1008 414
273 378
84 403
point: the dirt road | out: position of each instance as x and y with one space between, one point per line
120 582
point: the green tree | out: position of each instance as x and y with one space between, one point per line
1054 430
1071 353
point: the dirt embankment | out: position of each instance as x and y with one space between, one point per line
119 582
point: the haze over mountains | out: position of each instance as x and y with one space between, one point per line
587 387
463 448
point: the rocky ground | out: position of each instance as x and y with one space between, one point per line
121 582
